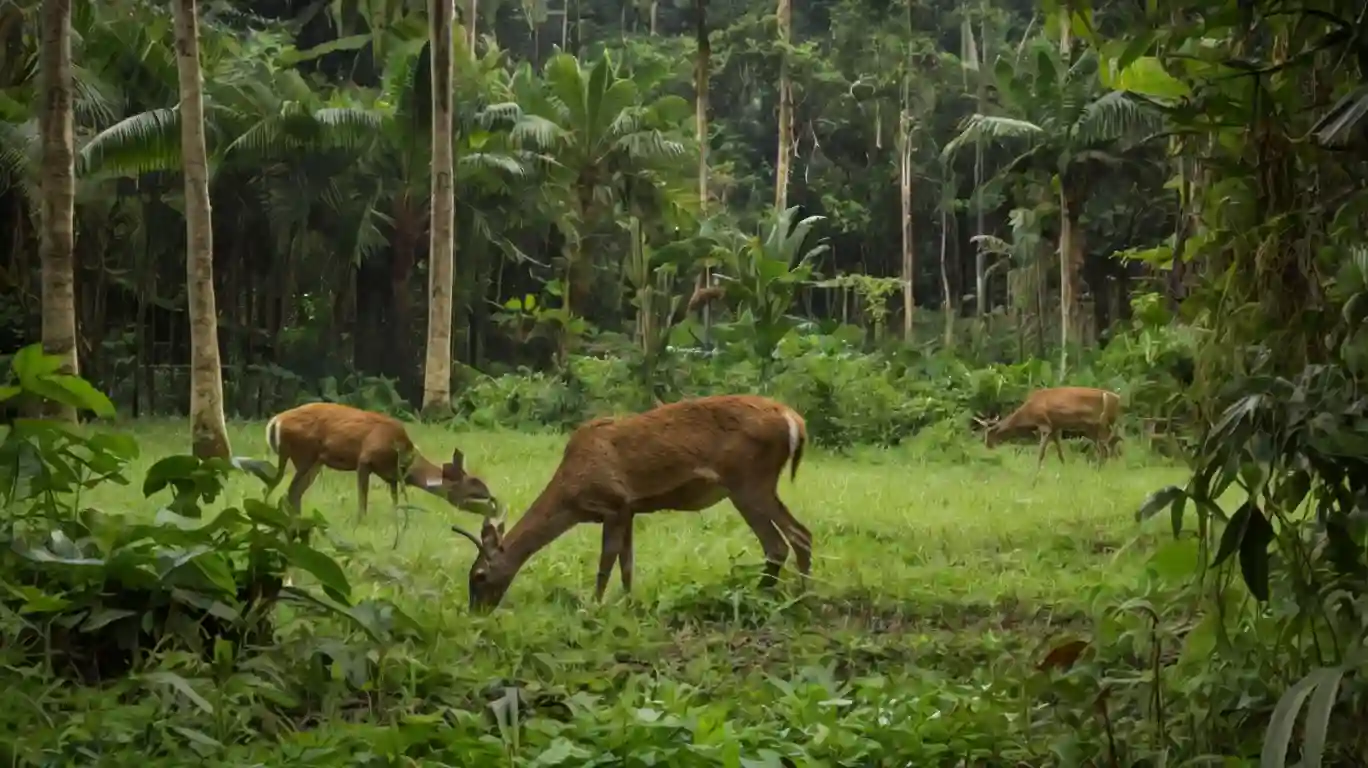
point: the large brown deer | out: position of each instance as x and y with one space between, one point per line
347 439
684 456
1049 412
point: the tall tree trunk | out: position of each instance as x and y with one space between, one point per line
905 190
437 368
208 433
781 162
702 74
981 301
57 239
472 31
947 300
1068 275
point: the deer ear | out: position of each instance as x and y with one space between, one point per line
456 468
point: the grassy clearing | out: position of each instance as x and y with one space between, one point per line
901 538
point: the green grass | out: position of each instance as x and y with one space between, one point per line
901 526
926 561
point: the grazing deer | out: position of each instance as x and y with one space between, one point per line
1052 411
684 456
348 439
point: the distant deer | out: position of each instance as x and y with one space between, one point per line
684 456
1049 412
347 439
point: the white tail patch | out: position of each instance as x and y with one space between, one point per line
273 434
794 433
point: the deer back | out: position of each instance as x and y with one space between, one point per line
340 437
1066 408
717 439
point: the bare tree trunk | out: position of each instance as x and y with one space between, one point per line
57 238
981 301
437 367
1067 286
702 74
905 189
472 32
208 433
947 302
781 163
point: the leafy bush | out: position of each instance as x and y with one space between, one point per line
848 397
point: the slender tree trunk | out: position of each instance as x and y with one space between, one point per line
1066 281
905 190
57 240
437 368
209 434
781 163
472 32
702 74
947 300
981 301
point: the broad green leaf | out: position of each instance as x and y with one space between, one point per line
167 470
323 568
1318 715
1158 501
1147 77
83 395
181 685
1254 553
1233 534
1284 720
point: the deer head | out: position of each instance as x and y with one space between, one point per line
992 433
465 491
486 587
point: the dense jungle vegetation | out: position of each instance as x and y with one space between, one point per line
497 221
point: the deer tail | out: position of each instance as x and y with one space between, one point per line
797 435
273 434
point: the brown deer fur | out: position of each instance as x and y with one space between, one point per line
1049 412
684 456
347 439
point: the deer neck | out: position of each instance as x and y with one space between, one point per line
546 520
424 475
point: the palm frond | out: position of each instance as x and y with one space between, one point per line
142 143
1112 117
651 145
492 161
535 131
991 128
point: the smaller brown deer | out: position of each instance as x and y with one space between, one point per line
685 456
347 439
1051 411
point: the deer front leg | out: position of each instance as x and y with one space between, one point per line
362 491
1040 455
625 556
613 530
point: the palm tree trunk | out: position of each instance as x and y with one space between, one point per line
57 239
781 162
702 73
1068 284
437 368
208 433
905 190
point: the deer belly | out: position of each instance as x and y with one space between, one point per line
693 496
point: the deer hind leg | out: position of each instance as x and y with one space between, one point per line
759 515
305 474
797 534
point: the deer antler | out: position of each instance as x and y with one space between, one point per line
479 546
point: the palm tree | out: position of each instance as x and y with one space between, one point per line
1070 133
58 189
437 367
209 434
608 145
